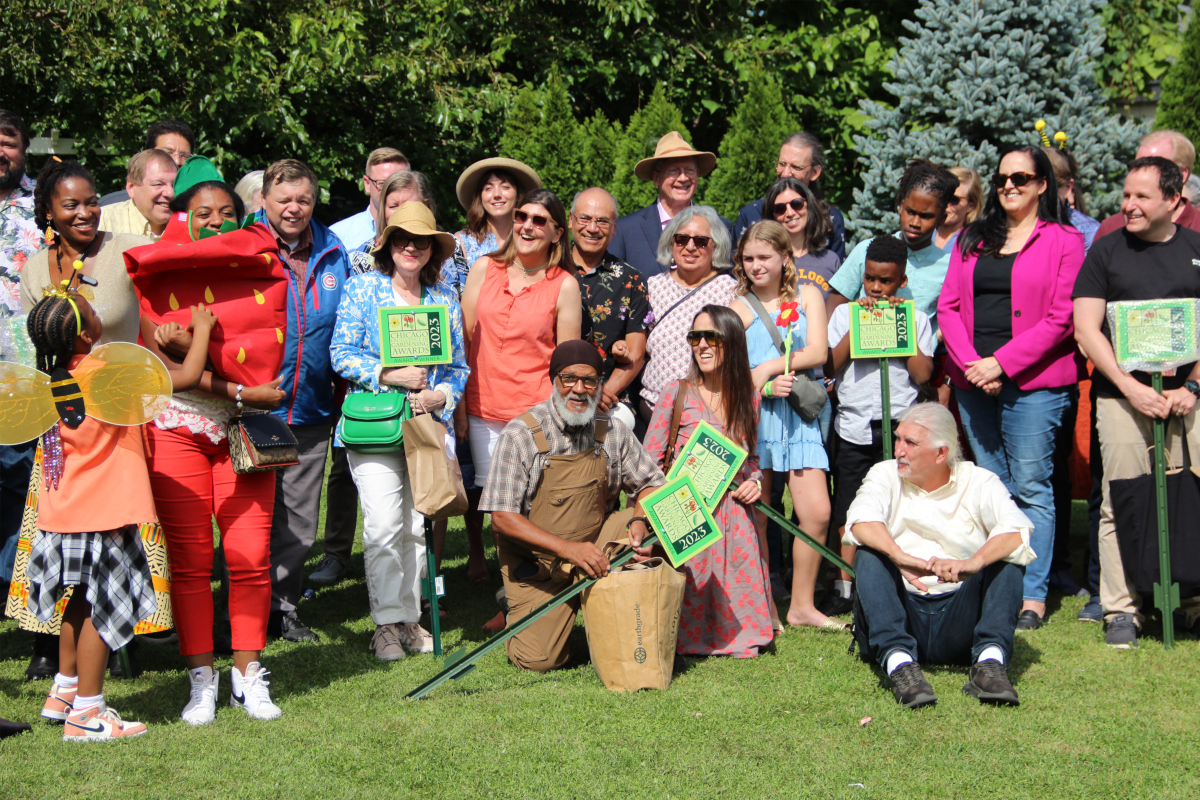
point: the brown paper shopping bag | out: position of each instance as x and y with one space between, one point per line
433 471
632 621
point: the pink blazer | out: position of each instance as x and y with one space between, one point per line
1042 353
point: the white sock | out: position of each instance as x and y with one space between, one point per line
63 682
896 660
842 588
82 703
991 653
202 672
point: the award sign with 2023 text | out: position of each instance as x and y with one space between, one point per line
883 331
414 336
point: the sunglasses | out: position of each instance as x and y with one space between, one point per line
401 241
568 381
521 217
1019 179
953 201
797 204
712 338
682 239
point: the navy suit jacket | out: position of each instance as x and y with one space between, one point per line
636 240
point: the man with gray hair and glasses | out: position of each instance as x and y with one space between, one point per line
942 549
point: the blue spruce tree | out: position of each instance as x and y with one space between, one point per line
977 75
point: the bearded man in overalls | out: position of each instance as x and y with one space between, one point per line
553 486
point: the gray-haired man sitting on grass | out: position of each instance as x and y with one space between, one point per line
941 563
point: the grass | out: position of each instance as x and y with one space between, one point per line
1093 722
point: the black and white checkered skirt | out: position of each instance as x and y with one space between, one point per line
110 564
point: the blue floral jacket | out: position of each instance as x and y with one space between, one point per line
355 346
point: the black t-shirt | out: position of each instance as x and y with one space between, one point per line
993 303
1120 266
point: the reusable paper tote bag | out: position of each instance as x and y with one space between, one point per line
632 621
433 471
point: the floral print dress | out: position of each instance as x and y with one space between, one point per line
725 609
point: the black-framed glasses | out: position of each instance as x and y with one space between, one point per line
682 239
796 203
1019 179
521 217
569 380
402 240
710 337
377 184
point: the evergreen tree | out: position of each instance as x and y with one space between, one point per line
558 140
599 140
519 140
1178 109
646 127
978 74
750 148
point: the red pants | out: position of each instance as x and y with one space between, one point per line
193 481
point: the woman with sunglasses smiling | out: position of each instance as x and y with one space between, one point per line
1006 316
790 450
725 601
696 246
408 262
805 217
519 303
963 209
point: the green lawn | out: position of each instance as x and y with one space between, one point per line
1093 723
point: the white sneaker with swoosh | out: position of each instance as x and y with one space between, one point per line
250 693
202 707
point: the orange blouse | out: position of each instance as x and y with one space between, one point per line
511 344
104 485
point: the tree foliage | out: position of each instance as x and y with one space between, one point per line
750 148
1178 109
1142 42
646 127
978 75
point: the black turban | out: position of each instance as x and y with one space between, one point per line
575 351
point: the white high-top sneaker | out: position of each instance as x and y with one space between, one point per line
202 707
250 693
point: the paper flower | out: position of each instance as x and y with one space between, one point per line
787 314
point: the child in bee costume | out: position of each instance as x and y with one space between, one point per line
88 410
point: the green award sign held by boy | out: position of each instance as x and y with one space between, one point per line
1156 336
883 331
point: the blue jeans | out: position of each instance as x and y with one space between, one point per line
951 628
1013 435
16 462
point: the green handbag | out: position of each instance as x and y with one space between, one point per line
374 422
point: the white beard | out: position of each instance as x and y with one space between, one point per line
575 419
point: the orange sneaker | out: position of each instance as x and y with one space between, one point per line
58 704
99 724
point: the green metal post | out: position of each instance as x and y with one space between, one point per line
459 664
787 525
435 621
1166 593
885 390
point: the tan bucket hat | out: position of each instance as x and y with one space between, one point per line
468 183
673 146
416 219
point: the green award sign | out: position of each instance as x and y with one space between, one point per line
1153 333
883 331
711 461
415 336
679 517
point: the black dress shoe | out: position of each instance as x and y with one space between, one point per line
9 728
44 663
1028 621
289 627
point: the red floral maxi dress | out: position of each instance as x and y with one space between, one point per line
725 603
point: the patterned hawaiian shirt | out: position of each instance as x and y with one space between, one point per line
614 294
19 239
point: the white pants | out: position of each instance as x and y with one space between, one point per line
393 536
483 433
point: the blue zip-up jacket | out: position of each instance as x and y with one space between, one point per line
307 371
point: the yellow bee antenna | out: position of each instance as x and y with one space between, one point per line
1040 127
1061 138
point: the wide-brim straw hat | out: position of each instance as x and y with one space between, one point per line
417 220
467 187
673 146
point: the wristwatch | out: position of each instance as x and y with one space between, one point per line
1192 387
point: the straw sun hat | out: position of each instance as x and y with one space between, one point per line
468 187
415 219
673 146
